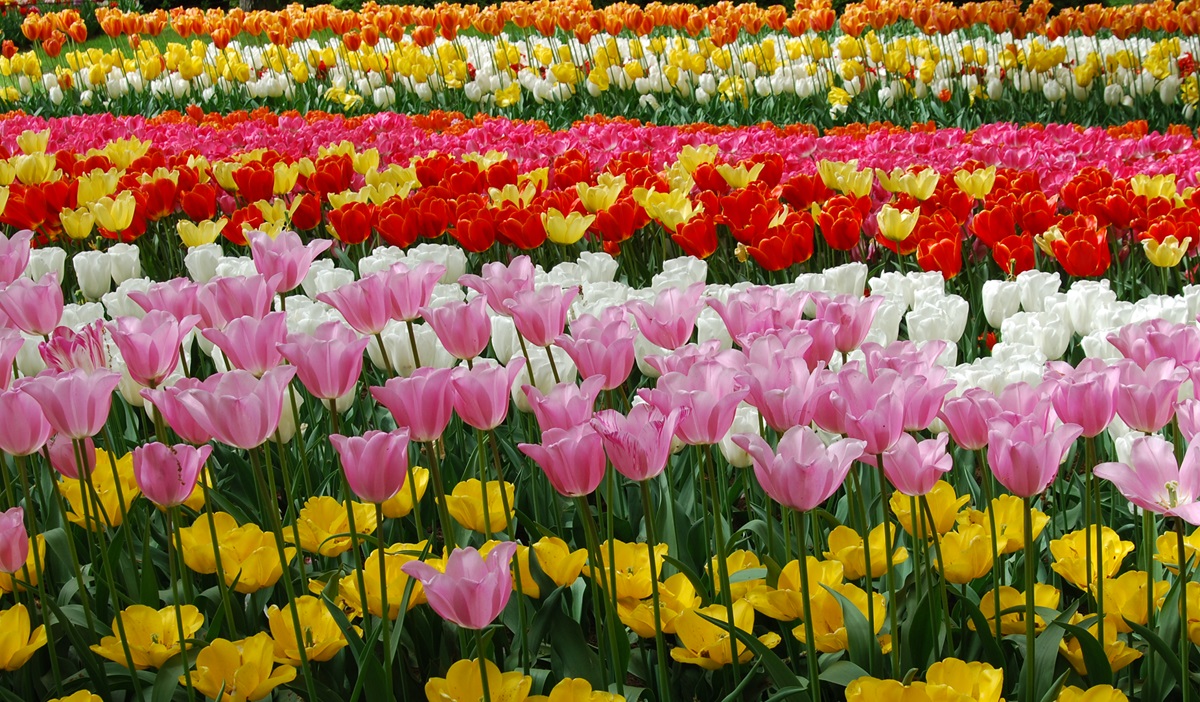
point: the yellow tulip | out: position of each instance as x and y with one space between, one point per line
558 561
77 223
285 177
845 177
975 680
18 642
223 171
598 198
3 197
707 644
566 229
738 177
668 209
692 157
632 565
1157 186
1125 598
978 184
1167 550
736 562
324 525
1010 522
81 696
198 552
33 169
105 478
1013 622
28 573
944 505
465 505
577 690
1169 253
676 594
1099 693
250 558
463 684
1070 559
323 638
240 671
511 194
401 504
846 547
526 585
31 142
96 185
114 214
785 601
829 625
366 162
395 557
967 554
896 225
152 635
1119 653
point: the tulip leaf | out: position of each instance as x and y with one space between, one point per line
1045 654
1055 689
919 634
748 574
779 672
73 624
983 629
864 648
842 673
1099 670
167 681
570 655
1167 652
697 582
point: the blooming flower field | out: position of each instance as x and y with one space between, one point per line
536 351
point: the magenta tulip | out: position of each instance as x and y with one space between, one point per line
481 394
464 328
1146 396
223 300
803 472
14 256
365 304
707 397
150 345
412 288
1085 395
250 343
375 464
25 429
501 283
572 459
669 322
167 475
34 308
76 403
422 402
238 409
166 401
914 467
638 445
568 405
541 314
178 296
1025 456
14 540
329 361
285 256
67 349
601 347
1155 481
472 591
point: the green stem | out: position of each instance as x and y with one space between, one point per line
389 690
814 672
721 549
1030 658
173 568
483 676
39 574
599 569
439 492
660 646
890 578
997 576
1185 644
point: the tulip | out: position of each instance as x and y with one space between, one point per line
14 540
966 417
166 401
115 214
236 408
1071 560
64 459
896 225
1009 514
75 403
412 288
708 645
1097 693
600 348
1126 599
1025 458
567 229
573 459
33 307
677 595
465 505
1146 397
736 562
1011 599
966 554
14 256
251 558
402 503
365 304
395 557
93 271
177 296
463 681
471 592
541 314
375 464
1155 481
871 410
150 346
323 526
67 349
803 473
18 640
914 468
463 328
153 637
1167 550
501 283
1086 395
328 362
781 388
669 322
846 547
112 483
203 233
637 445
11 343
556 559
943 504
629 566
242 670
566 406
423 402
322 636
481 394
285 256
851 317
167 475
786 602
1118 653
25 429
249 343
707 396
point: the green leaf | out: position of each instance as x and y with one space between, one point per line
1099 670
166 681
570 655
1052 694
842 673
781 675
864 649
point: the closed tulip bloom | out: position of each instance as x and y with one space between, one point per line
914 467
638 445
11 343
238 409
14 255
63 458
223 300
967 554
167 474
669 322
241 670
24 430
567 405
1085 395
422 402
18 639
482 393
75 403
851 316
1157 338
411 288
35 308
781 388
1146 397
868 409
846 546
365 304
166 401
707 397
14 540
600 348
329 361
93 273
967 416
464 328
150 346
922 397
67 349
285 256
472 591
1025 458
573 459
375 464
1155 481
540 315
501 283
176 296
251 344
802 473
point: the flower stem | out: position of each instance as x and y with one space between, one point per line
1185 643
483 673
814 673
660 647
387 610
997 574
439 492
597 569
722 566
1030 659
174 566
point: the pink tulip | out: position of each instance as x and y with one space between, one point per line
823 335
329 361
913 467
870 410
223 300
906 358
64 460
1025 457
14 540
1085 395
1023 398
638 445
24 430
464 328
1157 338
922 398
34 308
573 459
14 255
375 464
1156 481
167 475
421 403
285 256
238 409
1187 418
669 322
758 311
601 347
781 385
1146 397
178 296
568 405
365 304
540 315
481 394
251 344
472 591
501 283
166 401
967 417
683 358
11 342
707 397
67 349
803 472
76 403
412 288
851 316
150 345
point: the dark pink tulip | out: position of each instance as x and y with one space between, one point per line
329 361
1157 338
223 300
707 397
285 256
851 316
572 459
24 430
34 308
682 359
913 467
67 349
464 328
638 445
412 288
365 304
482 393
76 403
238 409
923 398
803 472
1085 395
11 342
1146 397
251 343
967 417
601 347
1025 457
177 296
14 540
567 405
1156 481
669 322
150 345
167 475
472 591
63 458
14 255
166 401
501 283
540 315
375 464
423 402
781 386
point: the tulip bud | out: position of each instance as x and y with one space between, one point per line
1001 300
125 262
93 270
